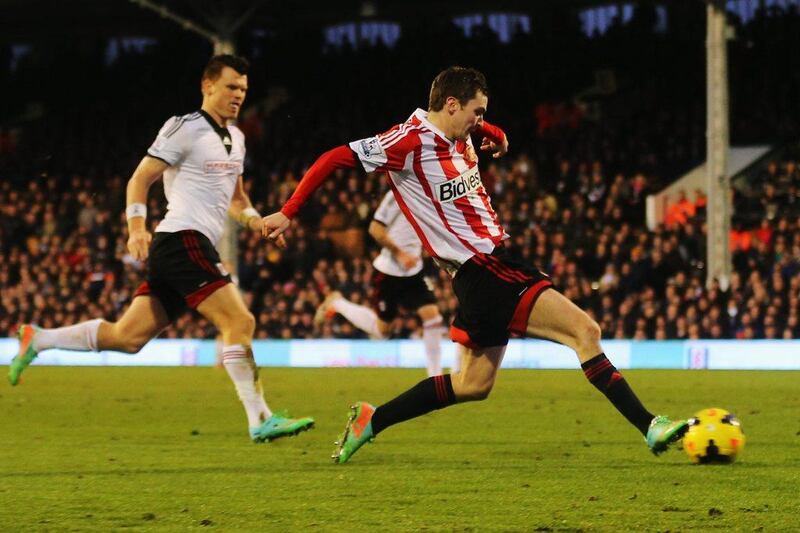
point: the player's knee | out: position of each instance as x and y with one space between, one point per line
588 334
248 323
243 323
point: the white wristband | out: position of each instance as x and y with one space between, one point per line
246 214
136 210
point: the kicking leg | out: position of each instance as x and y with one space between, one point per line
555 317
142 321
360 316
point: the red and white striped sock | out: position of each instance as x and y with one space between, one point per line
241 366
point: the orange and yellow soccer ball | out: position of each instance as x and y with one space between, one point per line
714 437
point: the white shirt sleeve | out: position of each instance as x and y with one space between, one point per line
388 210
172 143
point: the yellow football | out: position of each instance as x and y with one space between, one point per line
714 437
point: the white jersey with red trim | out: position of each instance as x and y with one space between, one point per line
205 162
401 233
438 188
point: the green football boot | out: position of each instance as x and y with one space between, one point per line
25 355
663 432
280 425
357 432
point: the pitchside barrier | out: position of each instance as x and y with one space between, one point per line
699 354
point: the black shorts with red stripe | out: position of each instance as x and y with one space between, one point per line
184 269
496 294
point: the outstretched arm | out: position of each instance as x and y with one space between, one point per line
340 157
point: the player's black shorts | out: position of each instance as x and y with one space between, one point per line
391 292
183 269
495 297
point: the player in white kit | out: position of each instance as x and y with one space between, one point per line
397 282
201 159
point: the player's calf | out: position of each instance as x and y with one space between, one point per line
471 391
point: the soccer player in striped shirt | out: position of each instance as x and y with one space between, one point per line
433 171
201 159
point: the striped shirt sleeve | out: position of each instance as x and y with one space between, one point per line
387 151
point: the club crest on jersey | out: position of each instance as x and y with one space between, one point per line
470 155
451 190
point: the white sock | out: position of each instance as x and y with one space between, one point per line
81 337
360 316
243 371
432 337
456 366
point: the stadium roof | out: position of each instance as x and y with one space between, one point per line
30 19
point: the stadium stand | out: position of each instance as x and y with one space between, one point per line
571 194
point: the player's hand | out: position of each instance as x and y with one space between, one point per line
406 259
498 150
272 226
139 244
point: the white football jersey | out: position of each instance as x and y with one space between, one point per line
401 233
205 162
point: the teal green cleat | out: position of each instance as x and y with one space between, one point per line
663 432
25 355
280 425
357 432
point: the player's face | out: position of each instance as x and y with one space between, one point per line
468 116
226 94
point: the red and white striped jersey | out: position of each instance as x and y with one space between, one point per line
438 187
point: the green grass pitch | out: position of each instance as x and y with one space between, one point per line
167 449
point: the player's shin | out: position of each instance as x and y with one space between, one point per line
426 396
79 337
608 380
241 367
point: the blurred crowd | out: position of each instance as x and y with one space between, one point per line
64 258
571 193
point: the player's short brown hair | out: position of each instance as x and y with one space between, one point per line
458 82
215 65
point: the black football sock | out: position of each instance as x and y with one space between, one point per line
427 395
602 374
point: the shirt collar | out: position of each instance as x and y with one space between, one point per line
422 115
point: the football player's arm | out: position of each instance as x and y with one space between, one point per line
339 157
149 170
242 209
379 232
494 140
